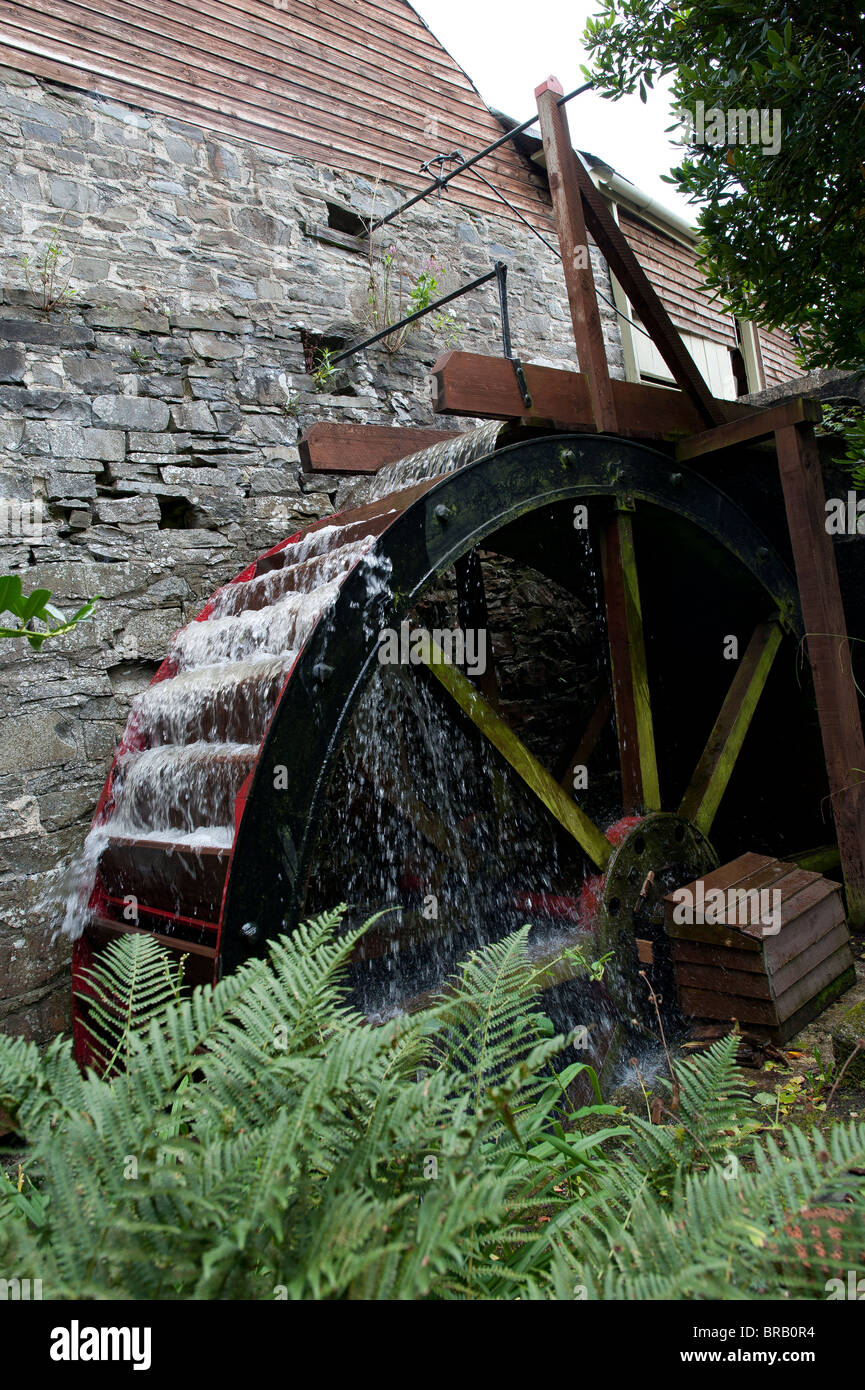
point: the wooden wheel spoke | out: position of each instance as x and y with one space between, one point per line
640 789
586 746
715 768
396 791
536 777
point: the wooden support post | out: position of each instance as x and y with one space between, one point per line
574 243
828 652
639 289
715 768
640 790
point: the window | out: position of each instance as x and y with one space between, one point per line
342 219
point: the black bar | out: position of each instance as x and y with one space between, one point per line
412 318
502 276
446 178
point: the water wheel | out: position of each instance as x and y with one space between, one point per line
275 766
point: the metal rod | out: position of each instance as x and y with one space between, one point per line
420 313
558 255
446 178
502 276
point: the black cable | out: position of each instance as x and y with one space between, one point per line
639 327
516 211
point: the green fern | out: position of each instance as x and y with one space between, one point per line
713 1111
262 1136
779 1231
136 981
262 1140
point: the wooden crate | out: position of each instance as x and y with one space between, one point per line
772 981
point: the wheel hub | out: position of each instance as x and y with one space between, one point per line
657 854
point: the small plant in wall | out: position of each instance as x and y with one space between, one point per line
27 609
48 273
324 368
392 295
448 329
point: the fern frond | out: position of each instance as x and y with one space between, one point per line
131 985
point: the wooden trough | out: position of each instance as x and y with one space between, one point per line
762 942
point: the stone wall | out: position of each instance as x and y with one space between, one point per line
156 419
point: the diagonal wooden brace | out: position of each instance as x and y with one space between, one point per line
578 206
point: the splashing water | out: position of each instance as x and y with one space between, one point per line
193 738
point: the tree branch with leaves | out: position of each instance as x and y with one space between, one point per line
782 235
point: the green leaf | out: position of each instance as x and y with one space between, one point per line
10 593
85 611
34 605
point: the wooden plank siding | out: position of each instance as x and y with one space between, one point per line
778 351
672 268
356 86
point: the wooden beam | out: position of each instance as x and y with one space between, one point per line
545 787
713 771
750 428
172 943
639 768
828 652
467 383
644 298
563 179
332 447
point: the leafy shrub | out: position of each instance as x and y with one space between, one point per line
263 1137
